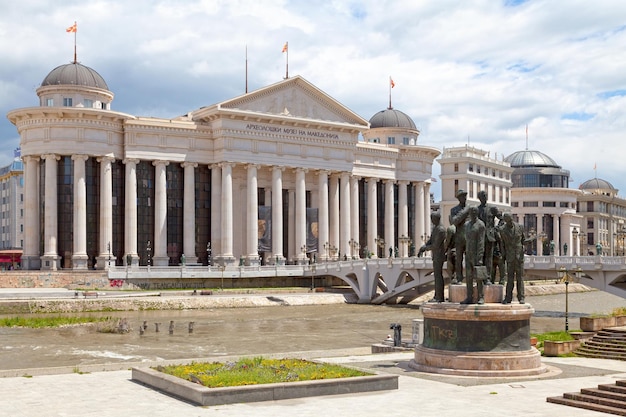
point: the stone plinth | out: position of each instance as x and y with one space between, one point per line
493 293
477 340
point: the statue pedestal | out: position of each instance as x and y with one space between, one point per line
491 340
493 293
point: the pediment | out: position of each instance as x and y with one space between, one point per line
297 98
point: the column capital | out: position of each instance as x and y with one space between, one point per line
160 162
300 169
80 157
371 180
278 168
130 161
105 158
403 182
50 156
246 166
189 164
389 181
31 158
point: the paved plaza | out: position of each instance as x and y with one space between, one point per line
113 393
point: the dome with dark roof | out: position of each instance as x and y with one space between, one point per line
74 74
392 118
596 184
528 158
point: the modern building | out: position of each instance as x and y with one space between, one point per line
542 202
473 170
603 218
12 214
276 175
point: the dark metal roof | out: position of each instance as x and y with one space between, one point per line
392 118
74 74
596 184
530 159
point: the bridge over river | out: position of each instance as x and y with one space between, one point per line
394 280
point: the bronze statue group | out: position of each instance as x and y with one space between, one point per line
482 239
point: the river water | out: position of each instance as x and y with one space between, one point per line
249 331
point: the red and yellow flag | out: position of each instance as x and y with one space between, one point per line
71 28
391 82
285 47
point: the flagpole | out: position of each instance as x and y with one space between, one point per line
75 31
390 93
246 69
287 63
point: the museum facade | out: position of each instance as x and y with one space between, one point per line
283 174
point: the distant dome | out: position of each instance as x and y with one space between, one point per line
392 118
74 74
596 184
530 159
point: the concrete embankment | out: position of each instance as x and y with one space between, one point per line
70 302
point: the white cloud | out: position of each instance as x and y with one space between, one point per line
482 69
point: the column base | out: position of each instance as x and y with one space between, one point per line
50 262
160 261
133 261
253 260
105 261
80 262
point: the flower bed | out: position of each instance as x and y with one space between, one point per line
240 387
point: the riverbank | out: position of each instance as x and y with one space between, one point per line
23 301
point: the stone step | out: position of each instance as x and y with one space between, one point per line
605 393
607 398
600 355
605 346
620 411
609 402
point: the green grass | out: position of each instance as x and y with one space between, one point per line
258 370
55 321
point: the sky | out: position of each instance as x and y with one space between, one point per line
499 75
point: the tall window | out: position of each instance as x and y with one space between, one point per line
175 192
88 103
50 102
67 102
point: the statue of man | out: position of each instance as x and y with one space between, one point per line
458 216
487 214
512 235
437 245
474 254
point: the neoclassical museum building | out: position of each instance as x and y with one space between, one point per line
284 174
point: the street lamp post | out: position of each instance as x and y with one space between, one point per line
575 241
404 242
149 253
380 242
566 278
109 252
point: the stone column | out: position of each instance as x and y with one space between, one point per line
216 213
79 255
301 215
32 236
389 217
372 216
354 218
403 219
50 256
322 220
227 214
105 243
556 232
130 212
333 198
419 216
160 257
189 212
252 214
427 210
277 215
539 238
345 213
